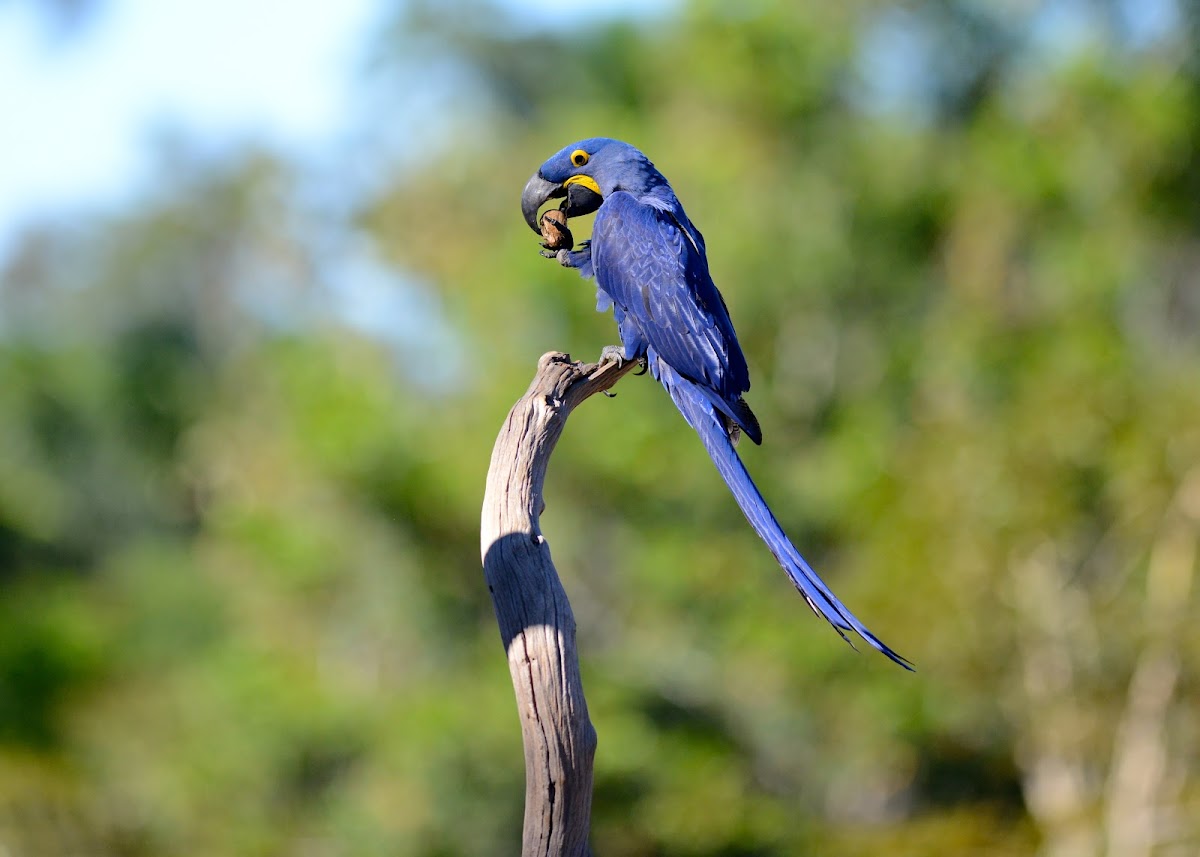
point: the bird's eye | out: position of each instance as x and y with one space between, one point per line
579 157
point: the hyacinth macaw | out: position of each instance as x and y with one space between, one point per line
650 266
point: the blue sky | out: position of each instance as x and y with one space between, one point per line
82 110
84 106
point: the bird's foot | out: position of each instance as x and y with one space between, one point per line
614 355
570 258
610 355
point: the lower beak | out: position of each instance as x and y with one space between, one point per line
537 191
581 200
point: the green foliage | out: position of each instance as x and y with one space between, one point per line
241 607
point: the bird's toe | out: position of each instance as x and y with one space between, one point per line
612 355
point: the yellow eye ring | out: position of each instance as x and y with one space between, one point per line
579 157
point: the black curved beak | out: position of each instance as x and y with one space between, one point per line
580 200
537 191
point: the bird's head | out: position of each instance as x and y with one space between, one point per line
585 173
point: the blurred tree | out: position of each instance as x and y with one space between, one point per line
238 544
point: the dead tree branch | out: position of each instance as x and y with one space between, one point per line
535 618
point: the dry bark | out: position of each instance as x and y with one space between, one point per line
535 618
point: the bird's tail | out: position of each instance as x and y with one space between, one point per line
702 416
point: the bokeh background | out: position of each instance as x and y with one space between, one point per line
266 296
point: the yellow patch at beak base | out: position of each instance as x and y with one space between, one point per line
586 181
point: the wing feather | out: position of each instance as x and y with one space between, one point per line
657 273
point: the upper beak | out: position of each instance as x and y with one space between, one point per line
580 200
537 191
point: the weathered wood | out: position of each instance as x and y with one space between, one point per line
535 618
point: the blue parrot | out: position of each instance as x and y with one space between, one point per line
651 267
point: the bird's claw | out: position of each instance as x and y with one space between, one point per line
566 258
612 355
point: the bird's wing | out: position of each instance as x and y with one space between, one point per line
656 272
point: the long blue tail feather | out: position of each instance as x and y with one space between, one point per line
702 416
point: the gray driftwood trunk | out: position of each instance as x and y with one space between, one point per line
536 622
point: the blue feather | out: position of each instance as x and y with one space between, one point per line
696 408
651 266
